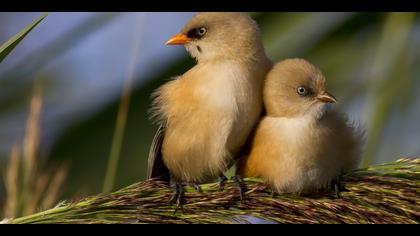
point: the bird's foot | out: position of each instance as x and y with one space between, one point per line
197 187
222 180
338 187
177 196
240 186
273 193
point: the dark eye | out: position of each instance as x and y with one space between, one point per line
302 91
202 31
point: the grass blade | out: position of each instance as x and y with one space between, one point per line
117 139
10 44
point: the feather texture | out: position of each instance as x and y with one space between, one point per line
302 144
210 110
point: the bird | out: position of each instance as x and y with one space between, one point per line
206 114
302 144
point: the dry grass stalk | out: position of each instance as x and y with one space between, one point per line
387 193
56 183
117 139
11 183
28 186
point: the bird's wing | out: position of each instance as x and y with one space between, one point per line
155 166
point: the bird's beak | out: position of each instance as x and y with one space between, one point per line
326 97
178 39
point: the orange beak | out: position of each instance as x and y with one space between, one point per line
326 97
178 39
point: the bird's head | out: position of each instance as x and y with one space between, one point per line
295 87
214 35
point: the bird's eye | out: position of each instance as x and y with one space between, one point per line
302 91
202 31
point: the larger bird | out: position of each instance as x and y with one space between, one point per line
207 113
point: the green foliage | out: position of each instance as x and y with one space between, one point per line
10 44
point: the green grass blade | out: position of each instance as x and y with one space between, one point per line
8 46
118 137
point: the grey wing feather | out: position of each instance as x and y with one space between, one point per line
156 167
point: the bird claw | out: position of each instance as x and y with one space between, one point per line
197 187
177 197
178 194
179 205
240 186
338 187
337 190
272 193
222 180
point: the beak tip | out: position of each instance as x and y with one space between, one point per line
327 98
179 39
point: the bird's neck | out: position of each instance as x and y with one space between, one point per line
250 56
312 115
253 61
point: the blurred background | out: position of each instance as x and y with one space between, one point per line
74 93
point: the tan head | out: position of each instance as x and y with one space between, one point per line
295 87
213 35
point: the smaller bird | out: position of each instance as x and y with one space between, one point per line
302 144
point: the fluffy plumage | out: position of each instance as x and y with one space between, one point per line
210 110
302 144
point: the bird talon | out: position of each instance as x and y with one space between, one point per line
338 187
337 191
222 180
197 187
240 186
177 197
273 193
179 204
175 194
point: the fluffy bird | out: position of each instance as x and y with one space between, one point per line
301 144
207 113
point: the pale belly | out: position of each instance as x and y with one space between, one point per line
209 117
301 160
201 143
197 149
